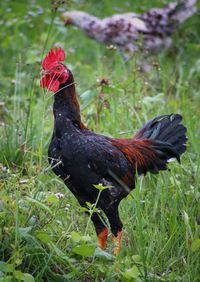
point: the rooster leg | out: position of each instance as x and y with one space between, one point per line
116 226
101 230
117 242
102 238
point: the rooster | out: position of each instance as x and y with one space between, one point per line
152 30
82 158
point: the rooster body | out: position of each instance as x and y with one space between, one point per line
151 30
83 158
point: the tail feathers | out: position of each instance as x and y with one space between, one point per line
167 139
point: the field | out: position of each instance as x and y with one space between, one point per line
44 234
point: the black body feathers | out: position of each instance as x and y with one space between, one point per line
83 158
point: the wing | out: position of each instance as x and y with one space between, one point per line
93 153
108 161
113 167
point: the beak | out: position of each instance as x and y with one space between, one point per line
44 72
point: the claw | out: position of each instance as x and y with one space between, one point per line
102 238
117 243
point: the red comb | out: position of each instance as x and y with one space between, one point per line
54 56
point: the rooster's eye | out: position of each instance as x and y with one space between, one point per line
58 68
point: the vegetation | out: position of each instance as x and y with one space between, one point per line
44 234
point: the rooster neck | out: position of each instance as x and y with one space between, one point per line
66 105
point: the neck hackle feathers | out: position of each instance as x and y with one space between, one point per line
53 57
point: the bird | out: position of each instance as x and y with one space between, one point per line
129 32
84 159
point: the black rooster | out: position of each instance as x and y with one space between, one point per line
83 158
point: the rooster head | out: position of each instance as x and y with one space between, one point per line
54 73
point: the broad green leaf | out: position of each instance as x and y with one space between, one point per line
131 273
89 205
101 187
103 255
136 258
28 277
43 237
84 250
83 209
75 236
195 245
18 275
52 199
6 267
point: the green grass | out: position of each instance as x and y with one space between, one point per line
46 238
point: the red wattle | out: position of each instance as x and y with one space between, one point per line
49 83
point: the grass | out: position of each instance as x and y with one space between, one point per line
45 236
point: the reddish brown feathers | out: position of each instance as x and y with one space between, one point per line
138 152
53 57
